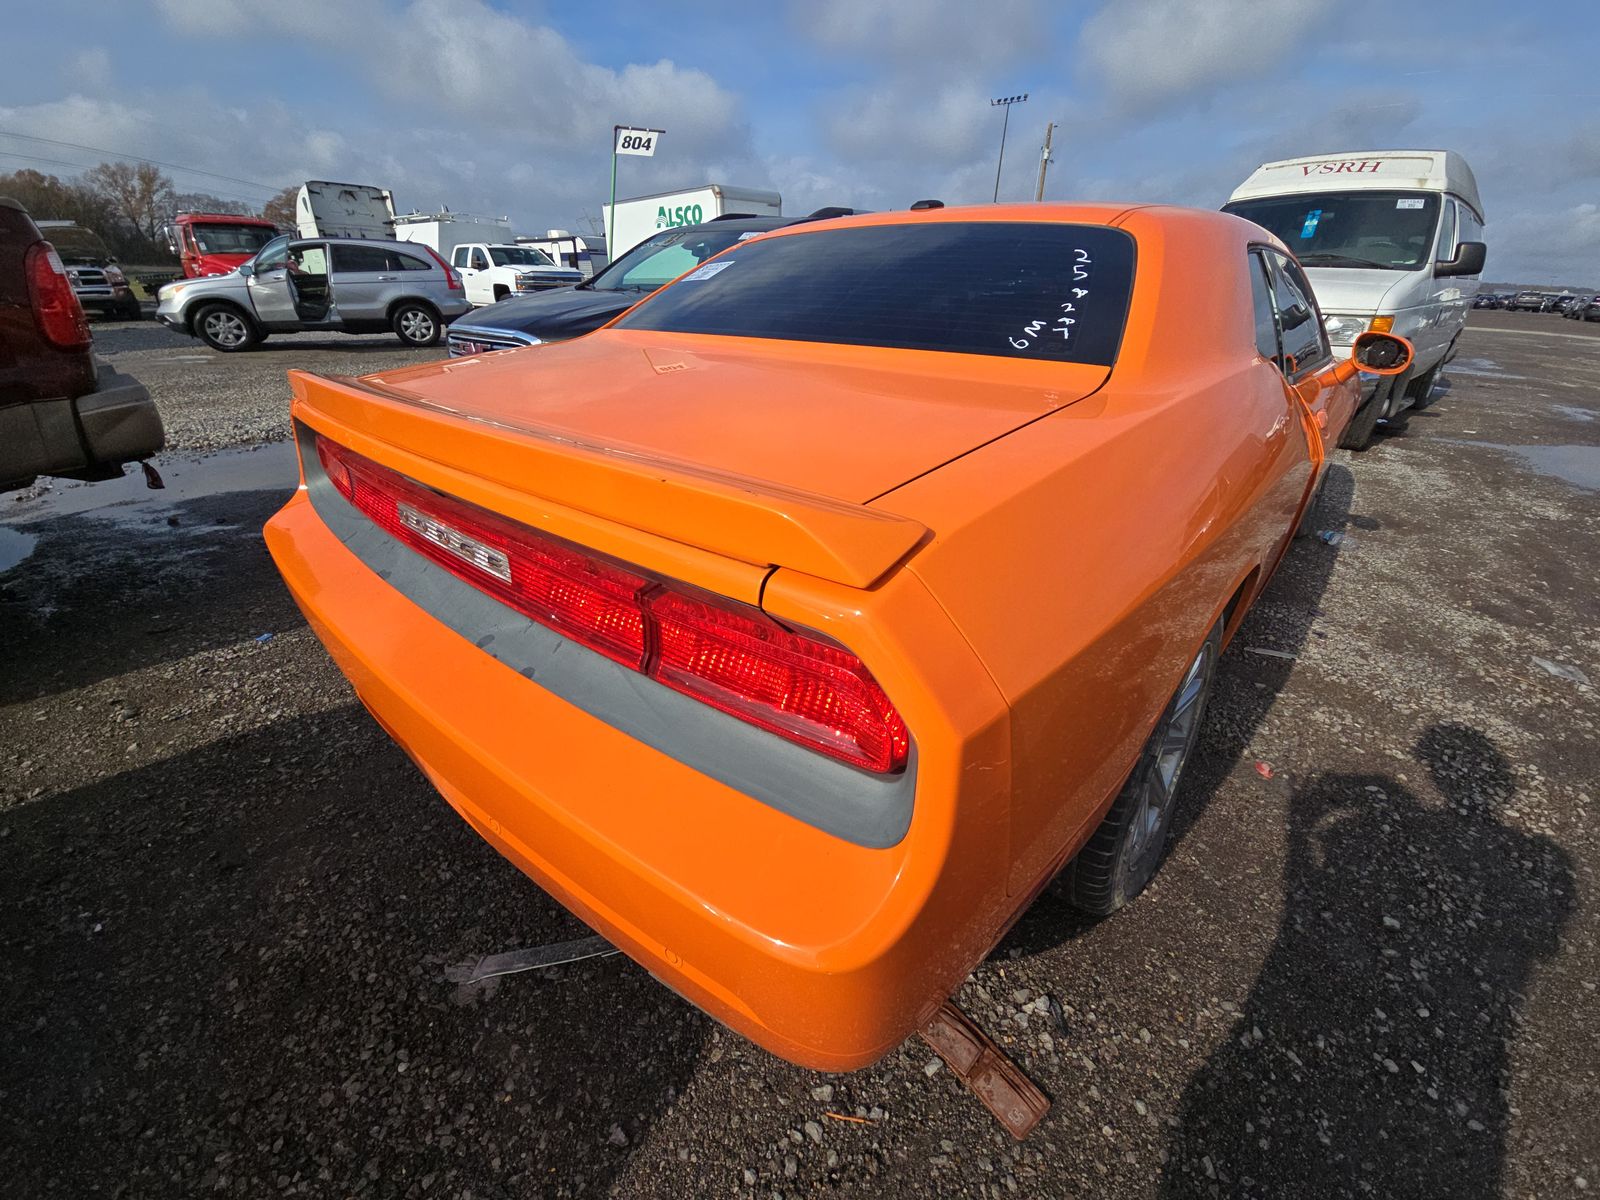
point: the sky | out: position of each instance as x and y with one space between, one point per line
506 107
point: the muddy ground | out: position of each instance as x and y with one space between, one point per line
227 901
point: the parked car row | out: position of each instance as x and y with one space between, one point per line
1534 301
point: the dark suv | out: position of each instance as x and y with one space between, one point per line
62 412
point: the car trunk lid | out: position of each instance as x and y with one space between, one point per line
766 452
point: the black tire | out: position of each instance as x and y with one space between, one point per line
131 310
1121 857
1421 389
417 324
224 327
1358 434
501 291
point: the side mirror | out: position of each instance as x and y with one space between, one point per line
1469 260
246 270
1375 353
1381 353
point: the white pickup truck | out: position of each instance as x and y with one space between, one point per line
483 250
492 272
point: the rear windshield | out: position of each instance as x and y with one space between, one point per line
1371 230
1015 289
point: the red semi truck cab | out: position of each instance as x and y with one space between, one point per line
216 243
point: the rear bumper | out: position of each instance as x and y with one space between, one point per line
826 952
87 436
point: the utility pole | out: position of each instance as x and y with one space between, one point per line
1004 102
1044 159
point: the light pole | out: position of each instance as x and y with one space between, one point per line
1044 160
1005 102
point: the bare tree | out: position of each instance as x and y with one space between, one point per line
139 192
208 203
280 209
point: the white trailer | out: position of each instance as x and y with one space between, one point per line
584 252
645 216
446 230
357 210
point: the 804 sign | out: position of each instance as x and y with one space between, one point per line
638 141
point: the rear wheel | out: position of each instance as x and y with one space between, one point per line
416 324
1120 859
225 328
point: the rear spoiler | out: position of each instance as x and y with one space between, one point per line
750 520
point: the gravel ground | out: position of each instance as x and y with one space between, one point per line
227 901
211 400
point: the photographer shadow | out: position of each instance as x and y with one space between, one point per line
1372 1054
1246 687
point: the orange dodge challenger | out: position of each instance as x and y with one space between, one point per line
797 627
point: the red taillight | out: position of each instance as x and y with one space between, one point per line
55 308
806 690
451 280
730 656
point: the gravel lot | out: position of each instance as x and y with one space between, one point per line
226 900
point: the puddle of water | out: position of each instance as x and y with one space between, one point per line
1478 368
271 466
1577 414
14 547
1577 465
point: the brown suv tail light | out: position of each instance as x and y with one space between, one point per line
55 308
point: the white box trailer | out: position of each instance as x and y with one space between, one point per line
644 216
446 230
584 252
358 210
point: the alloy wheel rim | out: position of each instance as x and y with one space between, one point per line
418 326
225 328
1172 743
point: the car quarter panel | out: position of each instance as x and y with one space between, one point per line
1086 556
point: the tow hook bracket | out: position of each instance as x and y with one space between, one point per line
1011 1096
530 958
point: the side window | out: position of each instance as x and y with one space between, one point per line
1299 328
410 262
273 255
359 259
480 261
1266 320
309 260
459 258
1447 232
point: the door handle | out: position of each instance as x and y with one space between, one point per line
387 278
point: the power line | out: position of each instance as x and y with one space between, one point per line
154 162
61 162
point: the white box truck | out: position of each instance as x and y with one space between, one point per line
1390 240
356 210
644 216
486 254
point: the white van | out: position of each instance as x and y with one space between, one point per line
1391 240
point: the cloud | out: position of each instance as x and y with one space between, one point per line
525 81
922 32
1150 53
